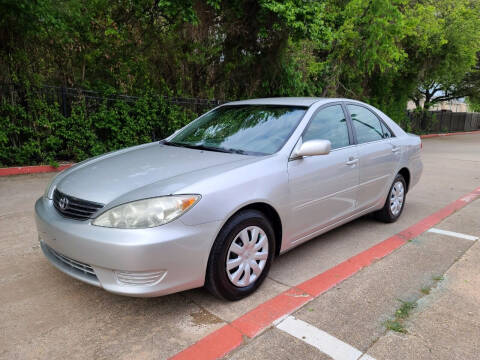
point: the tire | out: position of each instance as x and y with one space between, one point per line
386 214
233 283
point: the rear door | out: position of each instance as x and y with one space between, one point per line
323 188
377 155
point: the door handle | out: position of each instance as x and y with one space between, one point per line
396 149
351 161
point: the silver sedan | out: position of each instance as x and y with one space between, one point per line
214 203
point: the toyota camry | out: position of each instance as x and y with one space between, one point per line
213 204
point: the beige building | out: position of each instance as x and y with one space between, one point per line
450 105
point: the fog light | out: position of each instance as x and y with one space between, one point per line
140 278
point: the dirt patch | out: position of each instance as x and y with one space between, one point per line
203 317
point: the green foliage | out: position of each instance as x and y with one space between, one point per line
37 133
384 52
426 290
444 49
303 19
473 104
402 313
396 326
404 310
370 34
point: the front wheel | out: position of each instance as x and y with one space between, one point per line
241 256
395 202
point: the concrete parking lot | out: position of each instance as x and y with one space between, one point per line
46 314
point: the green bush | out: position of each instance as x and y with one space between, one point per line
36 132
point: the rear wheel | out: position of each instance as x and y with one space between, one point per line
395 202
241 256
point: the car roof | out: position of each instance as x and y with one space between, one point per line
289 101
309 101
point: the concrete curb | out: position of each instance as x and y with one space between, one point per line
450 134
32 169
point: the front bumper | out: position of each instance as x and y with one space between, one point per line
177 252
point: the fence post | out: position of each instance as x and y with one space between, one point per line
64 100
468 122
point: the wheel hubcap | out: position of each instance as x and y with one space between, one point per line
397 196
247 256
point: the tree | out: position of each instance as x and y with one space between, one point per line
380 51
445 53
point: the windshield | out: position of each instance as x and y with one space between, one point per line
248 129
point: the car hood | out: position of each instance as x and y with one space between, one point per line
109 177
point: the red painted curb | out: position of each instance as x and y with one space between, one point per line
213 346
32 169
229 337
328 279
449 134
426 223
258 319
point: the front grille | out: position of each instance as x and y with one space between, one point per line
76 265
74 208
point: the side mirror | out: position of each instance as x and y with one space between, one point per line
313 148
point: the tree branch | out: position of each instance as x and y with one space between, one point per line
446 98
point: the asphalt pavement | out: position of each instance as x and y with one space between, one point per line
46 314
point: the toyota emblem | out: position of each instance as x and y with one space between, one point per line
63 203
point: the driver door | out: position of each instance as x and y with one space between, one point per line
323 188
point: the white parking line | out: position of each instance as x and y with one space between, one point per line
454 234
326 343
366 357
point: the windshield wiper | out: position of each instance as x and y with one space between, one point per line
201 147
238 151
169 143
208 148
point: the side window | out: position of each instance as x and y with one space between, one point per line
366 124
329 124
386 131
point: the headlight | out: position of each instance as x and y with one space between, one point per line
146 213
49 186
